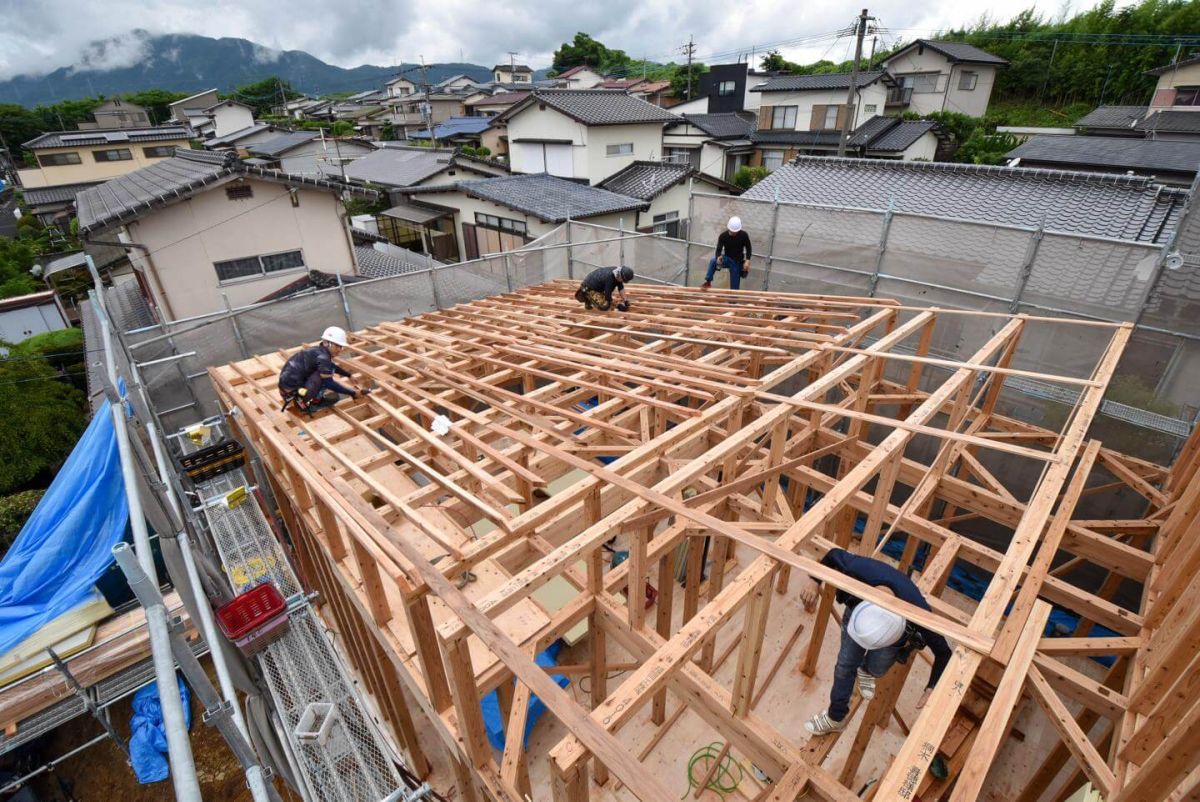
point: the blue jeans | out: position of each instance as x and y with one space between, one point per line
727 263
850 658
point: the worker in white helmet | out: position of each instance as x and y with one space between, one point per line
307 377
733 254
874 639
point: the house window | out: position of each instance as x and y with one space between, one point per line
158 152
239 191
57 159
831 118
869 108
784 117
726 88
258 266
114 155
921 83
624 149
501 223
968 80
667 224
689 156
772 159
1187 96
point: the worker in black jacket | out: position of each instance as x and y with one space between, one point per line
596 291
306 379
874 639
733 254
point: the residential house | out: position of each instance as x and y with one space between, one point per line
455 83
396 168
1164 161
665 186
117 113
25 316
726 88
659 93
309 153
716 144
1178 86
400 87
195 103
502 214
1079 203
75 157
210 229
512 74
1112 121
242 139
491 105
223 118
805 112
877 138
454 131
584 134
581 77
933 75
54 205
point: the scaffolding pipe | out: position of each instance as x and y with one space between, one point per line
179 749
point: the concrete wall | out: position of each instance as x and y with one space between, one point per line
870 104
315 159
91 170
947 96
186 238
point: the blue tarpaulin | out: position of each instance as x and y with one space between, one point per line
494 722
67 543
148 735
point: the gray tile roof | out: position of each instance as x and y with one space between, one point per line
1111 152
65 139
959 51
167 180
1100 205
234 136
283 143
729 125
1111 117
646 180
1172 122
63 193
900 136
546 197
399 167
377 264
1164 70
598 106
872 128
805 83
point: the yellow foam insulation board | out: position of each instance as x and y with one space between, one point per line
71 632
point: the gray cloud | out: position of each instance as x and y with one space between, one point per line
42 35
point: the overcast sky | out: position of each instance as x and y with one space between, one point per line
39 36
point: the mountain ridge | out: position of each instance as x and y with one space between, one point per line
192 63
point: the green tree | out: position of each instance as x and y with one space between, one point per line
263 95
583 49
156 102
679 79
342 128
17 257
747 176
387 132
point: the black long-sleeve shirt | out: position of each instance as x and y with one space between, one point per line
736 246
303 364
880 574
604 280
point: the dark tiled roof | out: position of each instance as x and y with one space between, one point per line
796 138
499 99
900 136
1141 155
377 264
729 125
872 128
176 178
598 106
956 51
1111 117
63 193
513 68
545 196
646 180
399 167
65 139
311 282
1187 62
241 133
1171 122
805 83
283 143
1100 205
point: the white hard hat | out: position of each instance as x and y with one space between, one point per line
335 335
873 627
735 224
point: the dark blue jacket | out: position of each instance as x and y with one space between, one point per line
304 367
880 574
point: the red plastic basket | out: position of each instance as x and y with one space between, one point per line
250 610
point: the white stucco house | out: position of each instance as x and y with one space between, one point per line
715 144
934 76
586 134
581 77
665 186
205 228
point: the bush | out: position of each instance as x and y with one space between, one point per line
747 176
14 512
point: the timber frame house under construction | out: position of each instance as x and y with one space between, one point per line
758 430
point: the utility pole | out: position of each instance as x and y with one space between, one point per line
689 50
426 108
852 93
871 58
512 66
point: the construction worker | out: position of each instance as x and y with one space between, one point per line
733 254
874 639
596 291
307 377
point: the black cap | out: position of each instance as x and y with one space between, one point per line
626 273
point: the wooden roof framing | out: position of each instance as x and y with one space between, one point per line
768 422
